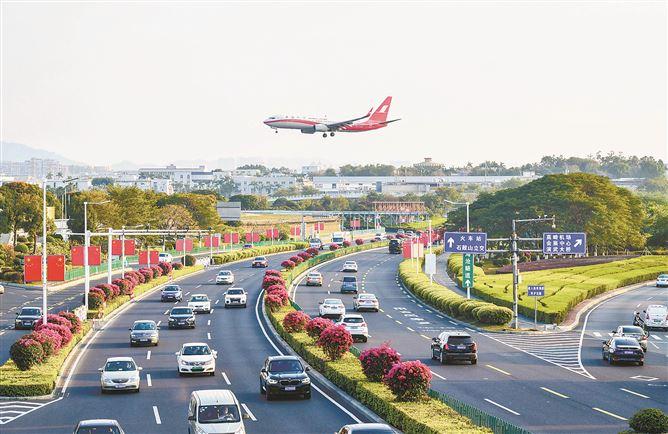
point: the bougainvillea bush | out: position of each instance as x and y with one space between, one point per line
26 353
313 251
295 321
315 327
273 302
50 340
166 267
106 288
275 288
62 330
177 266
359 241
282 294
377 362
148 274
288 264
335 341
409 381
272 273
272 280
296 259
346 243
333 246
75 321
304 255
95 300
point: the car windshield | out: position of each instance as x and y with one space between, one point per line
626 341
314 275
224 273
633 330
218 414
285 366
199 298
120 365
235 291
182 311
171 289
98 429
372 431
366 297
144 326
349 279
459 340
657 310
32 311
260 258
354 320
663 276
196 350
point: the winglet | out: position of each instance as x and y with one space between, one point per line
369 113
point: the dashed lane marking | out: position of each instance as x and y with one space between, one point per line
156 414
561 395
616 416
208 322
498 370
227 380
503 407
426 337
148 380
248 412
148 355
410 329
208 336
634 393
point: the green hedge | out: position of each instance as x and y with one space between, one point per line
448 301
236 255
564 287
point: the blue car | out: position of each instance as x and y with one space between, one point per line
349 285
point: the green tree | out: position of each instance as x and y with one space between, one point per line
250 201
175 217
102 182
201 206
99 216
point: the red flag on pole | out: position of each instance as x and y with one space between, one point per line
249 237
77 255
216 240
406 249
116 247
94 256
32 268
143 257
180 245
55 268
272 234
155 257
295 231
130 246
256 237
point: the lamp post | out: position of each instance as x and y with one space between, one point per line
468 227
86 245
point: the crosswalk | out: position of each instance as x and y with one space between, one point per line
560 349
11 410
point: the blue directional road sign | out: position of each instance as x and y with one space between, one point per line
536 290
565 243
466 242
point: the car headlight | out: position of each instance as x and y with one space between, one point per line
172 319
209 362
306 381
271 381
108 381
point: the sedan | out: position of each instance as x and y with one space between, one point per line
314 279
144 332
98 426
225 277
181 317
200 303
284 375
260 262
27 317
633 332
349 266
349 284
119 373
331 307
196 358
366 301
662 281
622 349
171 293
355 324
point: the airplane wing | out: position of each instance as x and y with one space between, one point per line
338 125
387 122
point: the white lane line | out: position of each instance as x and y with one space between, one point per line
176 302
426 337
452 322
438 376
634 393
158 324
208 336
638 305
217 301
498 370
656 337
157 415
501 406
248 412
398 322
387 315
198 286
148 355
227 380
410 329
187 292
609 414
166 312
561 395
208 322
597 334
148 380
441 317
655 345
650 298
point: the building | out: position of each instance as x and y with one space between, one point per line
310 170
429 164
159 185
265 185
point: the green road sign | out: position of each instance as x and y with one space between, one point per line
467 276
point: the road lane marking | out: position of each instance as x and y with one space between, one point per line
650 298
387 315
609 414
208 322
410 329
156 415
440 316
501 406
634 393
148 380
597 334
166 312
452 322
655 345
198 286
398 322
227 380
248 412
561 395
438 376
148 355
187 292
217 301
643 378
656 337
638 305
426 337
208 336
158 324
497 369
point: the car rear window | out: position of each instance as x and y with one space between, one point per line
181 311
637 330
626 341
198 298
458 340
98 429
350 279
354 320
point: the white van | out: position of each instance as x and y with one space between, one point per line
655 316
165 257
215 411
337 238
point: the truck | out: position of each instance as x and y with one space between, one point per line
337 238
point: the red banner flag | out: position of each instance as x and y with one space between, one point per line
272 234
227 238
208 241
256 237
295 231
116 247
130 246
184 244
94 256
55 268
77 255
32 268
250 236
355 223
143 257
216 240
406 250
155 257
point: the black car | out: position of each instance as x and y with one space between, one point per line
284 375
171 293
623 349
181 317
454 346
27 317
395 246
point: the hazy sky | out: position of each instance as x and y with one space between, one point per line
158 82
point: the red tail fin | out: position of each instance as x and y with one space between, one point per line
380 115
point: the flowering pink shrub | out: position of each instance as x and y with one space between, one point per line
50 340
273 302
304 255
135 276
282 294
359 241
409 381
389 237
315 327
122 284
333 246
63 331
272 273
177 266
313 251
57 319
295 321
148 274
106 288
288 264
99 292
346 243
95 300
166 268
74 320
335 341
377 362
26 353
157 271
296 259
272 280
275 288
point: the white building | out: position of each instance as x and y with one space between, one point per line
263 184
309 170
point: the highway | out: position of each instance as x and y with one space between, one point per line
161 405
542 383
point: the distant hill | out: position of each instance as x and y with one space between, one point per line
20 152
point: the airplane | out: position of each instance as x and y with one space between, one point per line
311 125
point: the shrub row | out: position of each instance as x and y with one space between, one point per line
449 302
236 255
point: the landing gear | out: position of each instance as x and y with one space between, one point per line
331 134
276 131
324 135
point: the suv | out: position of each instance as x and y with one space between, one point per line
356 326
215 411
235 297
181 317
171 293
144 332
27 317
260 262
395 246
349 266
349 284
200 303
94 426
655 316
226 277
284 375
454 346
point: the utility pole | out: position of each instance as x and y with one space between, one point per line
109 257
44 283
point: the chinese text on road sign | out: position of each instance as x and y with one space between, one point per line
465 242
536 290
467 271
574 243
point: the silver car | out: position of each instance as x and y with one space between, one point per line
144 332
119 373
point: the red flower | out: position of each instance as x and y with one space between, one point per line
288 264
409 381
315 327
359 241
273 302
377 362
335 341
295 321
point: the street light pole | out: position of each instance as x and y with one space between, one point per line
86 246
44 283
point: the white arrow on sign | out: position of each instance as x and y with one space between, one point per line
450 242
467 283
577 243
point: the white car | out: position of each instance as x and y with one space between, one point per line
225 277
332 307
315 243
655 316
662 281
214 412
355 324
366 301
349 266
235 297
165 257
200 303
196 358
119 373
314 279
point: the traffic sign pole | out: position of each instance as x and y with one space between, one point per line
467 273
535 291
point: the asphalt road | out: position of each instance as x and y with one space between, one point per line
538 382
161 406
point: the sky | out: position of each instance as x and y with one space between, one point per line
157 82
